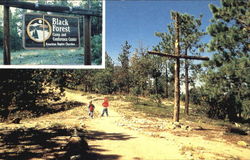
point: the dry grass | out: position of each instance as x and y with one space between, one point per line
191 149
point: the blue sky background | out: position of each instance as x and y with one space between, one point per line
137 20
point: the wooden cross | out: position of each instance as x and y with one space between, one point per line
177 58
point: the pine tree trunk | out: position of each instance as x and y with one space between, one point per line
156 85
177 73
177 91
85 88
166 87
6 36
186 86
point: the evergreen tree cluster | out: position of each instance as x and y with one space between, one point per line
28 90
227 76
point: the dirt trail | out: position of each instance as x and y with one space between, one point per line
110 140
115 142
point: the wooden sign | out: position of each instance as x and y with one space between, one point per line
50 31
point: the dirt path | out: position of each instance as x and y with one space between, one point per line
114 142
111 140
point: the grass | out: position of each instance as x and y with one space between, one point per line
90 97
47 57
197 113
185 149
150 108
165 110
110 98
58 125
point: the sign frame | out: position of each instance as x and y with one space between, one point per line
50 48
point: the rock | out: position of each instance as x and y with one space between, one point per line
76 145
176 125
121 124
16 121
162 135
185 127
162 127
248 132
189 154
237 124
242 143
75 157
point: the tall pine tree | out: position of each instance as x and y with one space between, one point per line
124 80
227 78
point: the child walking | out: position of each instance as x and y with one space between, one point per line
105 105
91 109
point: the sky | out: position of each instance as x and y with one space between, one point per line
137 20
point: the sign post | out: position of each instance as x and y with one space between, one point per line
6 39
50 31
87 37
41 35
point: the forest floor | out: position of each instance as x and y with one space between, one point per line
126 134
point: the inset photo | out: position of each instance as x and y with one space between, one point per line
52 34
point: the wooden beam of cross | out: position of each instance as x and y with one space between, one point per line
177 58
180 56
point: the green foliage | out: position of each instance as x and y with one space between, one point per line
131 98
140 70
103 82
246 108
135 91
26 90
96 22
189 44
196 96
96 49
15 29
227 88
156 98
151 109
1 37
124 56
123 76
227 78
104 79
60 2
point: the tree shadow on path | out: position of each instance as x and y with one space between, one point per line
97 135
51 144
96 152
32 143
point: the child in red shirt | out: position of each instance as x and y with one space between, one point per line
91 109
105 105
